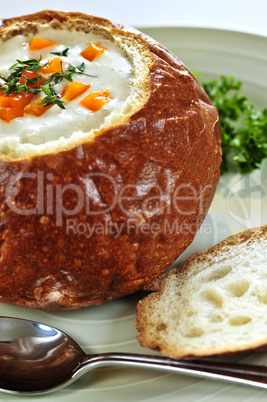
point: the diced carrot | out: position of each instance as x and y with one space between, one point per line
39 43
92 51
95 100
8 114
18 101
36 109
73 90
53 66
31 75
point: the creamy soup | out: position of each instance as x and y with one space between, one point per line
108 75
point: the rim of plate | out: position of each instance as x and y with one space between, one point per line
207 26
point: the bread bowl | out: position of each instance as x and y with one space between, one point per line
93 210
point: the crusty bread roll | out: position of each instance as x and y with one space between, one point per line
94 205
216 303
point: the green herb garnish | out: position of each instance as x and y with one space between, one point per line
31 65
244 130
76 70
34 82
51 97
10 86
56 78
13 84
64 53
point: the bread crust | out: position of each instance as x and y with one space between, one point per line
147 338
171 141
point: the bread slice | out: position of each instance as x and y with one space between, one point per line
216 303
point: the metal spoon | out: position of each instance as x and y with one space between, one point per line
37 359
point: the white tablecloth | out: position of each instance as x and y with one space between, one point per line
244 15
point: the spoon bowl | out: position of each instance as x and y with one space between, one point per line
34 356
36 359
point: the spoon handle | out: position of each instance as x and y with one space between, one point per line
232 372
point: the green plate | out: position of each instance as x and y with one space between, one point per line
240 203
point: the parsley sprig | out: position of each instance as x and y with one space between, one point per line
244 129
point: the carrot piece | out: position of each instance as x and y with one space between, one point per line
31 75
73 90
95 100
36 109
92 51
39 43
8 114
18 101
53 66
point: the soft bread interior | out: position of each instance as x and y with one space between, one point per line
123 68
217 304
